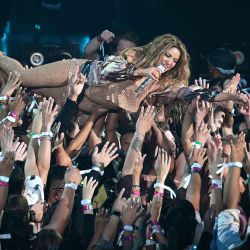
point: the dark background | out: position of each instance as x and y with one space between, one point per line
202 25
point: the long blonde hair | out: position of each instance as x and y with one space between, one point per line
149 54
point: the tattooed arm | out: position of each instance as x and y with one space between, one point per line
143 125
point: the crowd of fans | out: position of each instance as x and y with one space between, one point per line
125 181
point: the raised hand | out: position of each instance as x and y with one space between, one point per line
237 149
88 188
101 219
201 83
138 166
48 114
21 152
12 84
105 156
72 175
245 109
202 109
199 156
231 86
202 132
145 120
76 84
58 139
162 165
18 105
151 72
107 36
7 144
119 202
154 208
131 212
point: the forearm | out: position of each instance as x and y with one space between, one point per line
231 193
193 191
3 197
110 128
61 216
77 143
111 228
128 243
91 49
44 155
62 158
30 167
132 154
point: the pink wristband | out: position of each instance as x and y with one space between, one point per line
87 207
136 193
4 184
12 114
158 194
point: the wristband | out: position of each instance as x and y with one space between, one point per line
214 133
11 119
4 184
139 135
5 236
136 193
197 144
48 133
150 242
235 164
136 186
85 202
98 169
161 185
34 135
160 194
70 185
216 184
87 207
4 179
42 138
128 228
155 228
3 98
3 106
116 213
196 168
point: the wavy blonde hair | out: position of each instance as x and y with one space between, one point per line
149 54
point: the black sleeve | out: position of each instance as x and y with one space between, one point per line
204 243
66 115
89 230
95 174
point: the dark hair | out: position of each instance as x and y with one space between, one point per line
15 222
48 239
179 224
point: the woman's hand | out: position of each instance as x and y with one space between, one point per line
199 156
105 156
162 165
131 212
12 84
88 188
151 72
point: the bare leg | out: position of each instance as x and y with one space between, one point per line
49 75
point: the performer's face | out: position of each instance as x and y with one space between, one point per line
169 58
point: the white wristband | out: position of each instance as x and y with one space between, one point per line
71 185
235 164
3 98
11 119
150 242
48 133
85 202
98 169
161 185
128 228
4 179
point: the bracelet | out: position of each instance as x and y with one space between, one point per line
127 238
161 185
196 167
87 207
197 144
98 169
160 194
70 185
3 106
116 213
235 164
4 179
214 133
128 228
136 186
43 138
34 135
3 98
155 228
4 184
85 202
141 136
154 222
48 133
216 184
